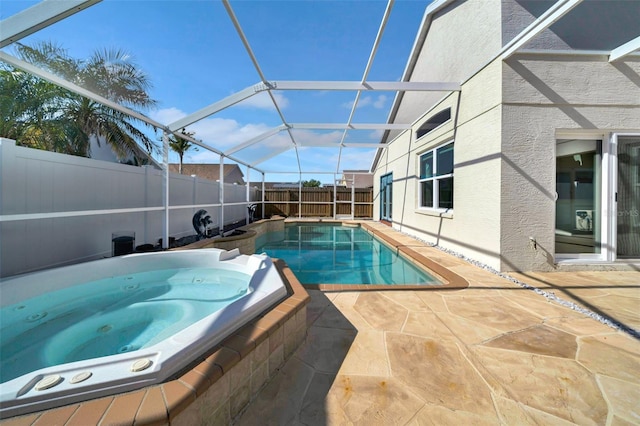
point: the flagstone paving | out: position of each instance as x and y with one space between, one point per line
494 353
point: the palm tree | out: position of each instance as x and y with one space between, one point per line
181 146
29 110
108 73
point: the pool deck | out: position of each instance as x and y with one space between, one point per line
492 353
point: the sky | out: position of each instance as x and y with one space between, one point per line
194 57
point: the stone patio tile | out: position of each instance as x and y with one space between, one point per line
617 421
514 413
406 299
480 278
560 387
433 300
440 257
373 400
341 314
496 312
539 305
580 325
468 331
334 411
531 278
345 299
600 277
313 410
377 311
332 317
435 415
367 355
601 357
623 309
539 340
620 340
624 397
326 348
580 293
544 418
280 401
439 373
620 277
427 324
319 301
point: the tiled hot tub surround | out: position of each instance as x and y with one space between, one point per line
216 389
245 242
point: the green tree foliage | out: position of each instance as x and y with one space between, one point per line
179 145
311 183
42 115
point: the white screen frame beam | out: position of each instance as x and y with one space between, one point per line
39 16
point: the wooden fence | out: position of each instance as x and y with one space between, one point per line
318 202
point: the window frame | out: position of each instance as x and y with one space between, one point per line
434 122
435 178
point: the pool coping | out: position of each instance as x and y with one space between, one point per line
279 331
452 280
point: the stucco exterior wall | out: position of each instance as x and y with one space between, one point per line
544 96
473 227
450 54
505 123
592 25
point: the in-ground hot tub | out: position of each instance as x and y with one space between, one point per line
118 324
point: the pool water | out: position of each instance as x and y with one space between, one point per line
335 254
110 316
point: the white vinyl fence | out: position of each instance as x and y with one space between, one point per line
58 209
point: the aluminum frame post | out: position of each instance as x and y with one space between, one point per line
221 196
165 189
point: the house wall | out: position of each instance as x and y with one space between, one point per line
593 25
542 96
449 54
473 227
505 125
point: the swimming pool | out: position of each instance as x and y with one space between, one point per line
339 254
115 325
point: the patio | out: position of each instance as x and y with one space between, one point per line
494 353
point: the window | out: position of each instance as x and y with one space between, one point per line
436 178
433 122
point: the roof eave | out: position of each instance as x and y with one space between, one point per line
432 9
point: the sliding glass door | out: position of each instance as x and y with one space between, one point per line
598 198
578 185
386 197
628 197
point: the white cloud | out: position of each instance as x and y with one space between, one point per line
167 115
310 138
223 134
220 133
263 101
366 101
380 102
356 159
376 135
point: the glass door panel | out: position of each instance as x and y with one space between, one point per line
628 197
578 188
386 196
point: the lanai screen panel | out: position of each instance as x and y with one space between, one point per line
197 53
